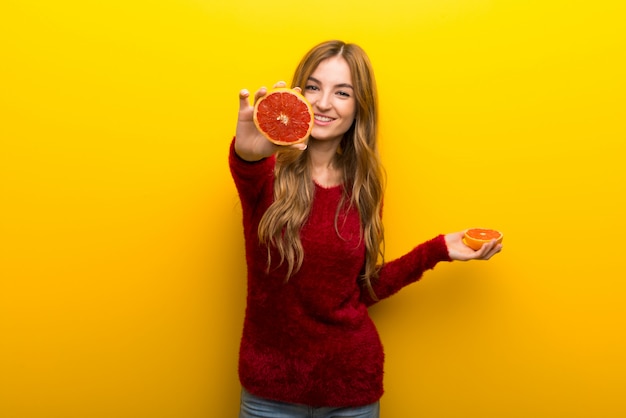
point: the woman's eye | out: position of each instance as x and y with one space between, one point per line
310 87
343 94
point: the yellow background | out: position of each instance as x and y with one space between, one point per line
122 267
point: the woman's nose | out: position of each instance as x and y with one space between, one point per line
322 102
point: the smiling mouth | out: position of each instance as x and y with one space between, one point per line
321 118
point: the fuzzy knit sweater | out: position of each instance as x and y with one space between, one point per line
310 340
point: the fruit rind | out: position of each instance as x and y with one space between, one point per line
304 133
476 243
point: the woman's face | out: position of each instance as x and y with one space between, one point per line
331 94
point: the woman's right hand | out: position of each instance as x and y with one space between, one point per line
250 144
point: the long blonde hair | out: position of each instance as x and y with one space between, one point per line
358 159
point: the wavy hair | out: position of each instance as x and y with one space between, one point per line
357 158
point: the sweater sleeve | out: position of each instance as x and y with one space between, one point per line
407 269
251 178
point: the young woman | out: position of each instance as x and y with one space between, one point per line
313 236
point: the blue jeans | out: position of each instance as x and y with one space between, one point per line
255 407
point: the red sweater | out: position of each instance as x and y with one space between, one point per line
310 340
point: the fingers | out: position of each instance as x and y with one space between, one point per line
244 94
485 252
280 84
260 93
489 250
243 99
496 250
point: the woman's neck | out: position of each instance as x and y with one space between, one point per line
324 170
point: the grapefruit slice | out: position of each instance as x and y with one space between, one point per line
476 237
284 116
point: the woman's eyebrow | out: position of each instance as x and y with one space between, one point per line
344 85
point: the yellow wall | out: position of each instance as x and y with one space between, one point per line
122 269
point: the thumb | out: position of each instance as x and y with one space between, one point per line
300 147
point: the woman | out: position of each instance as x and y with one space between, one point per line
313 236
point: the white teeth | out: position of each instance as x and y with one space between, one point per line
322 118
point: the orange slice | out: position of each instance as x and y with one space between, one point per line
284 116
476 237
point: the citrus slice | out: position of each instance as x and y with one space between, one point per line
476 237
284 116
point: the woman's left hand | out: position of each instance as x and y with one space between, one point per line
457 250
